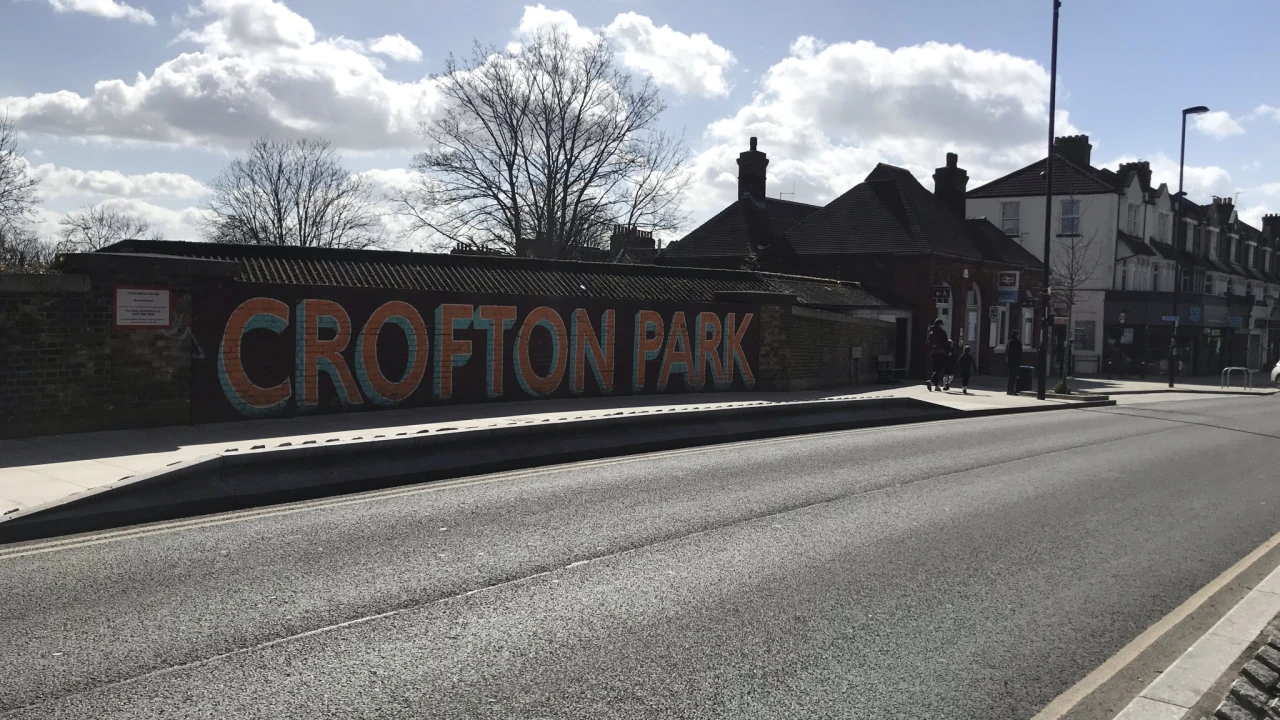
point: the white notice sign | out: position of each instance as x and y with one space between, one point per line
142 307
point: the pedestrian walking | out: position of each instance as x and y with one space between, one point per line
1013 354
966 366
936 344
949 365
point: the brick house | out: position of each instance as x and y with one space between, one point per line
897 239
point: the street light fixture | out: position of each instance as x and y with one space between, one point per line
1177 224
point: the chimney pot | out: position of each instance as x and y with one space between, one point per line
753 144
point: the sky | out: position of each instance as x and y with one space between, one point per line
138 103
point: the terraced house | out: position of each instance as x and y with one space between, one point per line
1117 251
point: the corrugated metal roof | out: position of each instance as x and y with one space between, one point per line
499 275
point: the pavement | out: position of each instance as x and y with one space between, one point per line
38 471
1261 384
973 568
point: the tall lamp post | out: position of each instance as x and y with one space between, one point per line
1042 369
1177 224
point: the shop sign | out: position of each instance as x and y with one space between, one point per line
1235 321
1123 317
1193 313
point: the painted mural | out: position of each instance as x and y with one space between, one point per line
274 351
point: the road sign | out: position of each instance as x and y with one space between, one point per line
1059 320
941 294
1170 318
1007 286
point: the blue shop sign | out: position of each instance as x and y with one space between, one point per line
1235 321
1193 313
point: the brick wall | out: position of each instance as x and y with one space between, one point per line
803 349
65 367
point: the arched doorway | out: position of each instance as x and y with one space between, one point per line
973 319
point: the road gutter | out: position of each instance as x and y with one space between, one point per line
1181 687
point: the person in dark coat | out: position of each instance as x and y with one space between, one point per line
937 347
949 365
966 367
1013 354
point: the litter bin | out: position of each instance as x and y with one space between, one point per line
1026 378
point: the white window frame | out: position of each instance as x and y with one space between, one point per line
1133 219
1251 253
1162 227
1011 224
1213 243
1191 234
1002 326
1232 240
1074 217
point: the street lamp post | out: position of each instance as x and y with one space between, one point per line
1177 224
1042 369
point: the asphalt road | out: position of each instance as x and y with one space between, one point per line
965 569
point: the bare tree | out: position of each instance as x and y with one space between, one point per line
293 193
23 251
97 226
18 196
543 148
1074 260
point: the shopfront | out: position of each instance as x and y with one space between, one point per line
1210 334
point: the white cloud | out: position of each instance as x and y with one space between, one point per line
1218 123
396 47
260 68
537 18
1253 214
58 182
828 113
1264 111
103 8
688 64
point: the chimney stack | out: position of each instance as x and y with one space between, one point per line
1075 149
639 242
1271 227
1142 168
950 184
751 173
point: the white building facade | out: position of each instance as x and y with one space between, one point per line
1116 253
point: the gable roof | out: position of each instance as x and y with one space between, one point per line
1068 179
499 274
892 213
745 226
